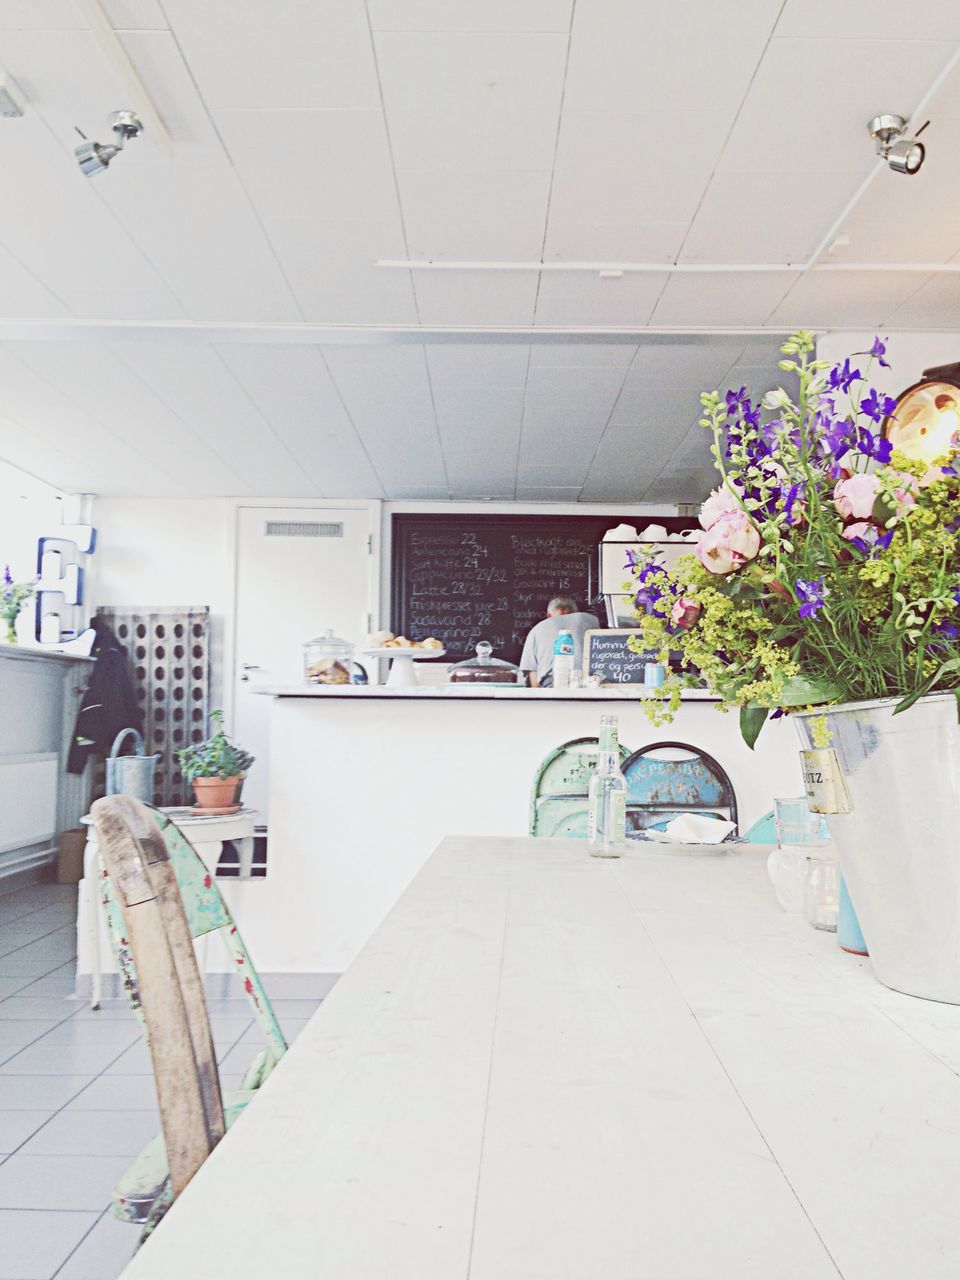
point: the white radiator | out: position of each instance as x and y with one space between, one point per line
28 800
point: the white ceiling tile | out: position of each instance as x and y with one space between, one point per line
73 472
195 384
581 298
580 355
334 165
260 54
124 304
472 366
936 305
61 423
834 87
581 397
90 376
387 394
475 297
135 15
479 420
852 20
199 230
475 216
826 298
39 15
332 269
489 473
755 218
689 474
724 299
643 55
613 235
638 145
292 388
547 493
22 294
467 15
483 102
400 490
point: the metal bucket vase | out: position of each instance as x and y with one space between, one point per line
130 775
900 843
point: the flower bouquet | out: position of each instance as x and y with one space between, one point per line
13 595
828 569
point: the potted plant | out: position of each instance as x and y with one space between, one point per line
13 596
826 584
216 768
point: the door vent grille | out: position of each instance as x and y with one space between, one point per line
304 529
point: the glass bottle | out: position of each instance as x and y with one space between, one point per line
607 815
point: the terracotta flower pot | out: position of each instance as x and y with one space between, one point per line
215 793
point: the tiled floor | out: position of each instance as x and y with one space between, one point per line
76 1095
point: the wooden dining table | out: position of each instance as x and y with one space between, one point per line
545 1066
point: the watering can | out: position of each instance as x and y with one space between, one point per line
130 775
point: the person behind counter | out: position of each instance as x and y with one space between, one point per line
537 657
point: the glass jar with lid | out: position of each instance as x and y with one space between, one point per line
485 669
327 659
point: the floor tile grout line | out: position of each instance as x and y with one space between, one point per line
31 1043
39 938
85 1235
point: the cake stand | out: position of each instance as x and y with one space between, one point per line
401 663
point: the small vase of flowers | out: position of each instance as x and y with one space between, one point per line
13 596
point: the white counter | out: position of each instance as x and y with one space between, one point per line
619 693
365 781
544 1065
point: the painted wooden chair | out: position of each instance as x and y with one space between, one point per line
666 779
763 831
140 832
558 799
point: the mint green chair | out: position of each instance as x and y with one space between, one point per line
143 1192
559 796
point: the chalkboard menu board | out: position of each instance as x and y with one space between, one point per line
607 655
464 578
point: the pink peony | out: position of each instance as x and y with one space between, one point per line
684 613
861 529
730 541
854 498
721 502
906 494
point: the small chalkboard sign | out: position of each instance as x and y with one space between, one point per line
607 655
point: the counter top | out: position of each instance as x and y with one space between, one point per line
545 1064
455 692
24 653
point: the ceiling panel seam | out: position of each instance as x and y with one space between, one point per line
239 176
726 140
393 162
436 421
188 427
356 431
606 425
523 414
556 150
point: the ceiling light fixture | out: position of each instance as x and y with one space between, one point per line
902 154
94 157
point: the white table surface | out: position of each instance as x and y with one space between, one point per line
549 1067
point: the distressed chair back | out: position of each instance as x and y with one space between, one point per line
170 987
666 779
558 797
206 913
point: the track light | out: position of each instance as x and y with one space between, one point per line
94 157
903 155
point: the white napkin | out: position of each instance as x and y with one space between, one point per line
693 828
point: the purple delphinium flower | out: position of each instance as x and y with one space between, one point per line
842 377
795 494
877 406
812 595
650 581
7 576
736 401
949 471
873 446
878 351
873 543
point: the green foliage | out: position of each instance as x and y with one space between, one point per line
215 758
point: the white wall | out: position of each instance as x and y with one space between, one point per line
161 552
908 353
28 510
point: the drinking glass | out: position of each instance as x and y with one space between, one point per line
797 828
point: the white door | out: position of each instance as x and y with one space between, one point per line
300 570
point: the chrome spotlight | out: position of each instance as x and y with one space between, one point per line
94 157
902 154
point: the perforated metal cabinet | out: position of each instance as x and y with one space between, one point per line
558 800
169 651
666 779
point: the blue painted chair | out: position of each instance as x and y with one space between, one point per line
763 831
666 779
559 796
143 1192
